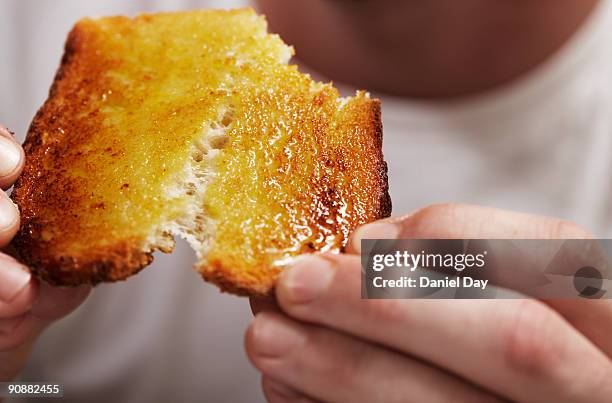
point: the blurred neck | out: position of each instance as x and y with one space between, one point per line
425 48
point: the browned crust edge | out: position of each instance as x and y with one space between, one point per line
385 205
112 264
227 279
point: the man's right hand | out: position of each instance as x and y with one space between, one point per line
27 306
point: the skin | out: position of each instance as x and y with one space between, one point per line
323 343
435 49
319 341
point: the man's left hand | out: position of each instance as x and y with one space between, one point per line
324 343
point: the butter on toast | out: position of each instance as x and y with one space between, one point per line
193 125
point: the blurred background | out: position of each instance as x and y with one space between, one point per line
540 143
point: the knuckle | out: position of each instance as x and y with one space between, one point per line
527 340
388 311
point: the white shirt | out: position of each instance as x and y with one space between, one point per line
541 145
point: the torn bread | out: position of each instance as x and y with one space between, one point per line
193 125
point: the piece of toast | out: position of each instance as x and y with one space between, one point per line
193 125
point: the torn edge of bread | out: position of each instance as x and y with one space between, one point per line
195 226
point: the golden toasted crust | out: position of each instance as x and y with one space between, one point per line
351 190
37 194
114 136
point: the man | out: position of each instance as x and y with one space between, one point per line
506 105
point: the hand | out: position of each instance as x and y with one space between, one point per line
326 344
26 305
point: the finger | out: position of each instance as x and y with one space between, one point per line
51 303
464 221
334 367
593 318
12 159
531 352
22 303
9 219
276 392
259 304
14 279
56 302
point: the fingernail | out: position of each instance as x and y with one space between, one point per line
9 213
14 277
274 337
306 280
10 156
377 230
4 130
